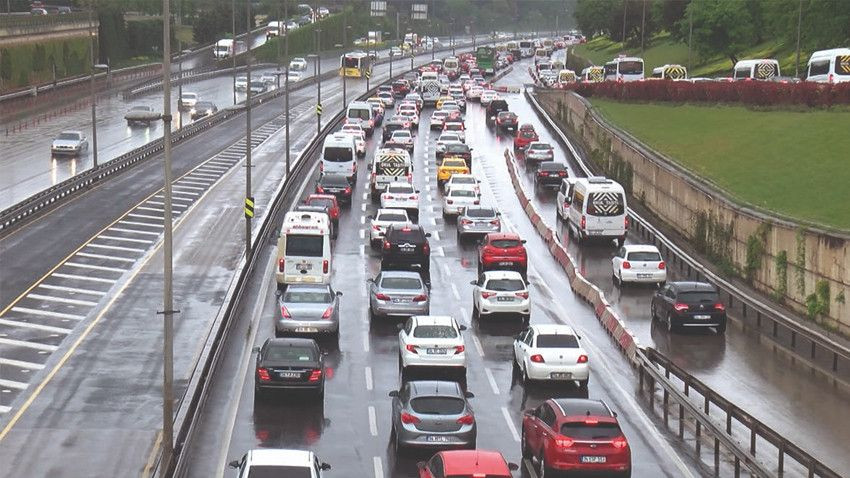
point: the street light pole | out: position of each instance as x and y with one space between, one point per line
180 64
799 27
248 197
233 50
318 70
342 65
93 96
286 81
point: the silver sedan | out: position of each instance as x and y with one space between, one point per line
478 221
432 414
308 309
399 294
539 151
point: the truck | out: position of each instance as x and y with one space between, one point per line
227 47
485 58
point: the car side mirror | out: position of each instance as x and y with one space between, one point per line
393 393
468 394
615 414
461 327
473 282
513 466
523 241
278 293
324 466
234 464
256 349
339 293
370 280
427 234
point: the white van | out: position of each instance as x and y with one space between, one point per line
360 112
388 166
597 210
223 48
593 74
624 69
829 66
670 72
339 156
304 249
761 69
540 54
274 29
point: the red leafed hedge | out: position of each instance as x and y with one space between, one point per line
755 93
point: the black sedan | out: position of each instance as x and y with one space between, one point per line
549 175
336 184
681 305
289 364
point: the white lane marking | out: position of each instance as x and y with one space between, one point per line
362 250
4 409
27 344
204 175
184 193
133 231
379 466
428 187
362 219
115 248
492 380
12 384
532 473
144 216
365 196
362 234
373 422
368 372
95 268
182 185
63 300
184 181
48 313
148 208
433 221
455 292
30 325
464 313
441 252
478 346
126 239
21 364
436 235
366 343
446 270
245 363
73 290
76 277
363 207
510 423
146 224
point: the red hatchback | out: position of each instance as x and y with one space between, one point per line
466 464
525 136
502 251
329 201
575 434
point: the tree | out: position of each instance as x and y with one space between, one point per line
666 14
723 27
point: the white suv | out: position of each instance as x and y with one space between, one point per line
500 292
432 341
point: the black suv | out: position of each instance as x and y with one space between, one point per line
493 109
689 304
406 247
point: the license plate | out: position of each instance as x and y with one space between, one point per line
561 375
702 317
644 276
407 249
289 374
594 232
437 439
506 263
436 351
303 267
593 459
504 299
401 300
306 330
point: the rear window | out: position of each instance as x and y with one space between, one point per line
437 405
605 204
307 296
409 283
329 203
304 245
278 471
505 285
434 332
556 341
337 154
400 189
410 235
583 431
644 256
463 180
505 243
462 193
391 217
360 113
291 354
334 180
699 296
480 212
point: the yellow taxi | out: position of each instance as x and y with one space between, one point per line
451 165
442 100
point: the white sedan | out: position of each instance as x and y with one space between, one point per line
382 220
467 181
474 92
401 195
359 137
444 139
500 292
457 198
411 115
298 64
634 263
551 352
432 341
70 142
438 118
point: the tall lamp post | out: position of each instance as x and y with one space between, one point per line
95 67
248 197
233 52
286 81
317 68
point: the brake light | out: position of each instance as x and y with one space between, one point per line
325 265
466 420
476 202
495 222
382 297
328 312
522 295
719 306
411 348
263 374
376 227
564 442
487 295
537 358
413 198
542 173
353 167
562 174
285 312
386 245
449 201
583 222
315 375
620 442
582 359
591 421
348 190
459 349
410 177
627 265
320 189
830 78
662 265
465 222
426 249
420 298
680 307
280 265
626 222
408 418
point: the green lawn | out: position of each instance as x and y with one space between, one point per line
795 163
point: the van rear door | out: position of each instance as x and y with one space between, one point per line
306 258
605 214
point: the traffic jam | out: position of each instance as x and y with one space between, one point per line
411 152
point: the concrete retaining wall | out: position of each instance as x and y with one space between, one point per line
680 199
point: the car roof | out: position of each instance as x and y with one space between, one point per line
291 342
321 196
539 143
686 286
495 236
466 462
433 320
315 287
640 248
420 388
390 210
279 457
330 177
553 329
502 275
404 274
573 407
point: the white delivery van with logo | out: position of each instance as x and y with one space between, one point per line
304 249
597 210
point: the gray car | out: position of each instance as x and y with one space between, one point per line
432 414
308 309
478 221
399 294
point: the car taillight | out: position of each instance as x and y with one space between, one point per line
582 359
325 266
315 375
620 442
487 295
389 196
348 190
382 297
408 418
495 222
537 358
466 420
320 189
562 174
386 245
830 79
542 173
449 201
522 295
413 198
263 374
719 306
627 265
465 222
583 222
459 349
564 442
411 348
662 265
328 312
280 265
426 249
376 227
680 307
626 222
285 312
420 298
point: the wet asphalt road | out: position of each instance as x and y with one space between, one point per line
760 380
351 428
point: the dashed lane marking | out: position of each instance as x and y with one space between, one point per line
73 290
47 313
379 466
21 364
133 231
127 239
84 278
510 423
95 268
373 421
368 372
116 248
12 384
490 378
32 326
477 344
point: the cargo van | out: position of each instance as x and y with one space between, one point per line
761 69
829 66
304 249
541 54
360 112
223 48
339 154
593 74
388 166
596 210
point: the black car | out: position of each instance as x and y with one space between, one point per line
689 304
459 150
289 364
406 247
203 108
493 109
507 121
549 175
336 184
394 124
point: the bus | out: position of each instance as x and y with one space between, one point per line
526 48
304 249
355 64
485 58
624 69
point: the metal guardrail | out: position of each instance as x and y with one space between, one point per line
735 418
813 346
27 21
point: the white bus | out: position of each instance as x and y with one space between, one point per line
624 69
829 66
526 48
304 249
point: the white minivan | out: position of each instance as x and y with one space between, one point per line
360 112
339 156
597 210
304 249
829 66
761 69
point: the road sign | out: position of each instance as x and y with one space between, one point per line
368 74
419 11
379 8
249 207
319 109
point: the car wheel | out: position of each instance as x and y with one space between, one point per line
615 280
621 241
545 471
475 314
652 314
526 453
670 327
721 329
582 384
525 380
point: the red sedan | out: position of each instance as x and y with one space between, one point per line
502 251
575 434
329 201
463 463
525 136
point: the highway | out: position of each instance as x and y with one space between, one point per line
766 382
351 429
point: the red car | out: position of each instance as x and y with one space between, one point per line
329 201
502 251
467 463
525 136
400 88
575 434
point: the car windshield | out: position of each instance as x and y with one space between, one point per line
288 353
504 285
307 296
69 136
401 189
647 256
279 471
334 180
406 283
584 431
480 212
556 341
302 245
505 243
463 193
462 180
444 138
391 217
401 135
454 127
437 405
631 67
699 296
434 332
